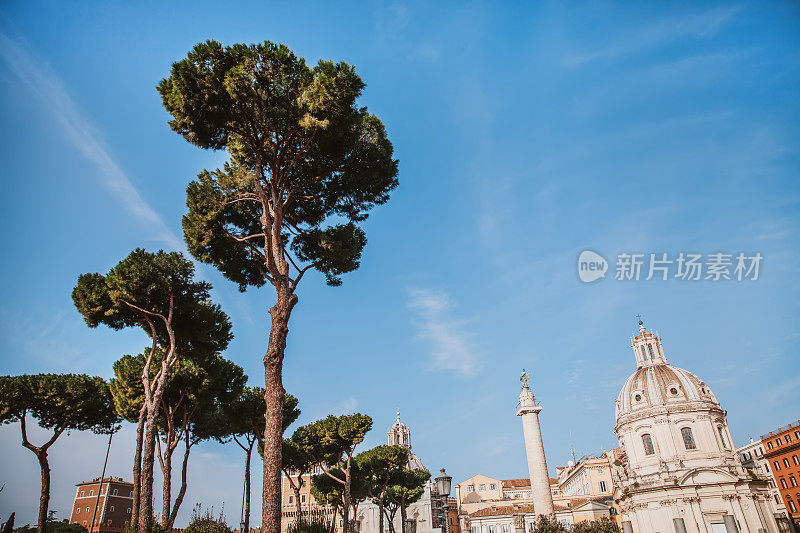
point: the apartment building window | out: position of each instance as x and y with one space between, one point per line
778 441
482 488
795 460
129 510
797 435
792 508
602 486
786 463
78 510
470 488
112 507
82 493
793 481
115 492
87 509
492 486
91 492
688 439
84 522
291 499
783 484
788 439
647 441
303 498
777 465
778 499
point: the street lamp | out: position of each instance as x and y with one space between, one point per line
443 488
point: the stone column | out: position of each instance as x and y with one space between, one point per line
534 449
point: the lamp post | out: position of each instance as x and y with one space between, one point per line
443 482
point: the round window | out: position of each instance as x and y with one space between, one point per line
638 397
673 391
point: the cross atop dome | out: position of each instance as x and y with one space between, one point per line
647 347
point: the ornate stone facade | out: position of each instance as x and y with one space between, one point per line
678 469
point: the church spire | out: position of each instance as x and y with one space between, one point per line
647 347
399 434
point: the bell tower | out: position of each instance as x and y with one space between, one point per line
399 434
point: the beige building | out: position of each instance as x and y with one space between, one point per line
757 464
591 476
678 470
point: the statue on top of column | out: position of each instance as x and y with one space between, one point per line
524 379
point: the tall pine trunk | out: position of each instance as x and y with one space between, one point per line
148 456
346 496
403 515
166 491
274 394
298 506
182 491
137 465
44 497
247 488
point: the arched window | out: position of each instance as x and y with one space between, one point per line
688 439
644 355
722 437
647 441
650 349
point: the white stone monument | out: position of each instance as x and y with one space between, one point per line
534 449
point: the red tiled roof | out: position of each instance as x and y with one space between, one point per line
523 508
526 482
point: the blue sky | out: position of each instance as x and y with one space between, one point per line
526 133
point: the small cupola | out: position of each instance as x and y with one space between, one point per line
647 348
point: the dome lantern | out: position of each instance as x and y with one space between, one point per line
647 348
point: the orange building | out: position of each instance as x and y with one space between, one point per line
113 505
782 449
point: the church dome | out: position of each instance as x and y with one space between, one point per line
657 383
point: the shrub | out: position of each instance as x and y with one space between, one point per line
313 526
205 522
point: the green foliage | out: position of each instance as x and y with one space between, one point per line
378 465
58 401
244 414
406 486
327 490
53 526
313 526
327 440
604 525
547 524
206 522
148 284
300 147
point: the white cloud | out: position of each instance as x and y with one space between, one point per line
700 25
48 88
451 346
